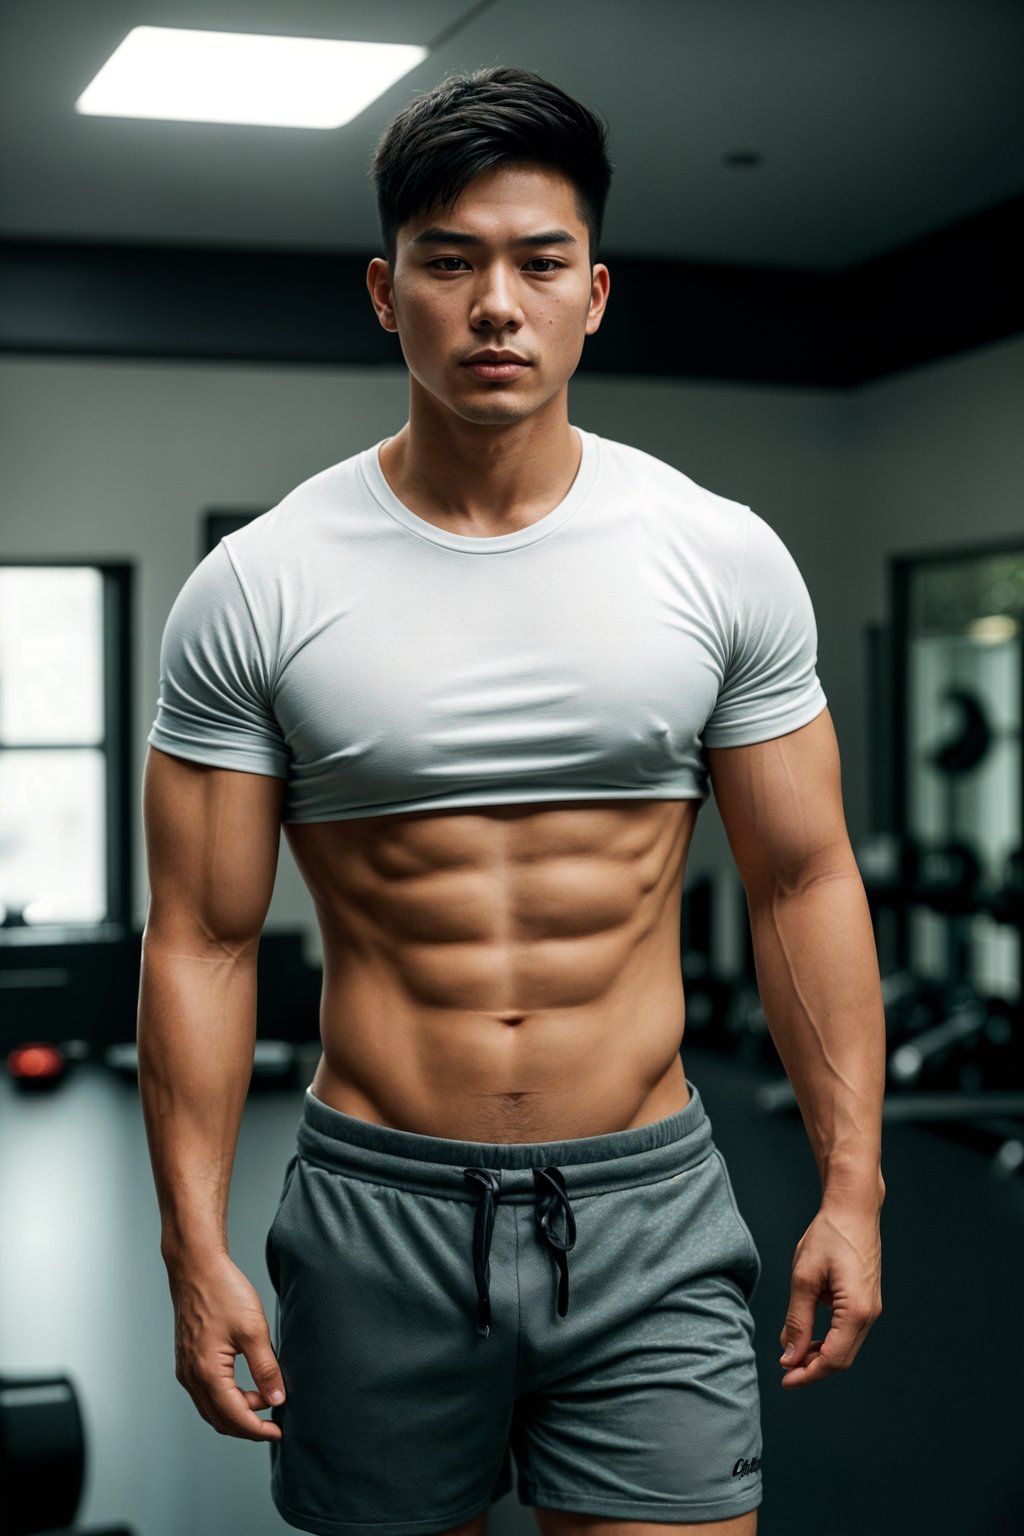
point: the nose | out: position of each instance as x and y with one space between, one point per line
496 303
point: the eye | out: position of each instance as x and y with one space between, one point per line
547 262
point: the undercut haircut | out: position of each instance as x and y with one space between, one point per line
470 123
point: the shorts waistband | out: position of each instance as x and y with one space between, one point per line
591 1165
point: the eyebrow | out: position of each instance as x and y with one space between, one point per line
437 236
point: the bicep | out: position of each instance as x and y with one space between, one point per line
212 842
781 805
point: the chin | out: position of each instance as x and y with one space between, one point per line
494 413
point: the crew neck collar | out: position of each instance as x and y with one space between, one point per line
373 475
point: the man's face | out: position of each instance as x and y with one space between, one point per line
478 279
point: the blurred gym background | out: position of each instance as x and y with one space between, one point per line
814 237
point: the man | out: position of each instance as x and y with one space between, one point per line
483 671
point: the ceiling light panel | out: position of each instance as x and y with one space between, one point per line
182 75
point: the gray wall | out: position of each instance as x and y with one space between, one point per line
118 459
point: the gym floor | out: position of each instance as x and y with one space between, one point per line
923 1435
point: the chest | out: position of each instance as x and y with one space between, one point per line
606 658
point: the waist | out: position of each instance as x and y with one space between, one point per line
342 1143
506 1077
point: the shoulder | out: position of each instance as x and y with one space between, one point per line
669 496
280 556
312 504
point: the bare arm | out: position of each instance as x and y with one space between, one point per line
817 973
814 947
212 840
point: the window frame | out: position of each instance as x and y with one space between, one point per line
118 648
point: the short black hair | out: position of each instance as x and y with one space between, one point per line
474 121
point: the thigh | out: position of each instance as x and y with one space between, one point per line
560 1523
474 1527
396 1409
643 1404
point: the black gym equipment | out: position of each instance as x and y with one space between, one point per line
965 750
955 1049
930 1049
706 994
955 1052
42 1459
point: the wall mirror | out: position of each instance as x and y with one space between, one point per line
958 622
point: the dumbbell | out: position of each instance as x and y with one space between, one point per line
922 1060
42 1454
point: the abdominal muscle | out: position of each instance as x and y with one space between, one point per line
503 973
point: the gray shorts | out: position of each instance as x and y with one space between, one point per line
582 1304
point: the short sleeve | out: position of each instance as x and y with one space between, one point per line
771 684
214 704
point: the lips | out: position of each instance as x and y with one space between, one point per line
498 369
494 359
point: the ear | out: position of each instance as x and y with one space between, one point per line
600 284
378 281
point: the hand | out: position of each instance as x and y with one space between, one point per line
218 1315
838 1262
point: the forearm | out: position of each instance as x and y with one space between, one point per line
817 974
196 1042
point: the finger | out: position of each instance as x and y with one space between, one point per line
836 1352
256 1403
813 1351
233 1414
815 1368
807 1375
266 1372
799 1325
841 1344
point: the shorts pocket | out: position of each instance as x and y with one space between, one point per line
752 1272
269 1251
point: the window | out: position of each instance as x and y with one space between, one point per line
65 768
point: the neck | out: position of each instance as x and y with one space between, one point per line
482 474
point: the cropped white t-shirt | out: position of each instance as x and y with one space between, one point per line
380 664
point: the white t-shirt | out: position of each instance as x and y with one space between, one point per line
381 664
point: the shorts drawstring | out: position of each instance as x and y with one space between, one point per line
488 1181
543 1212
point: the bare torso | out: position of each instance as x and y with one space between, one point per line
507 973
